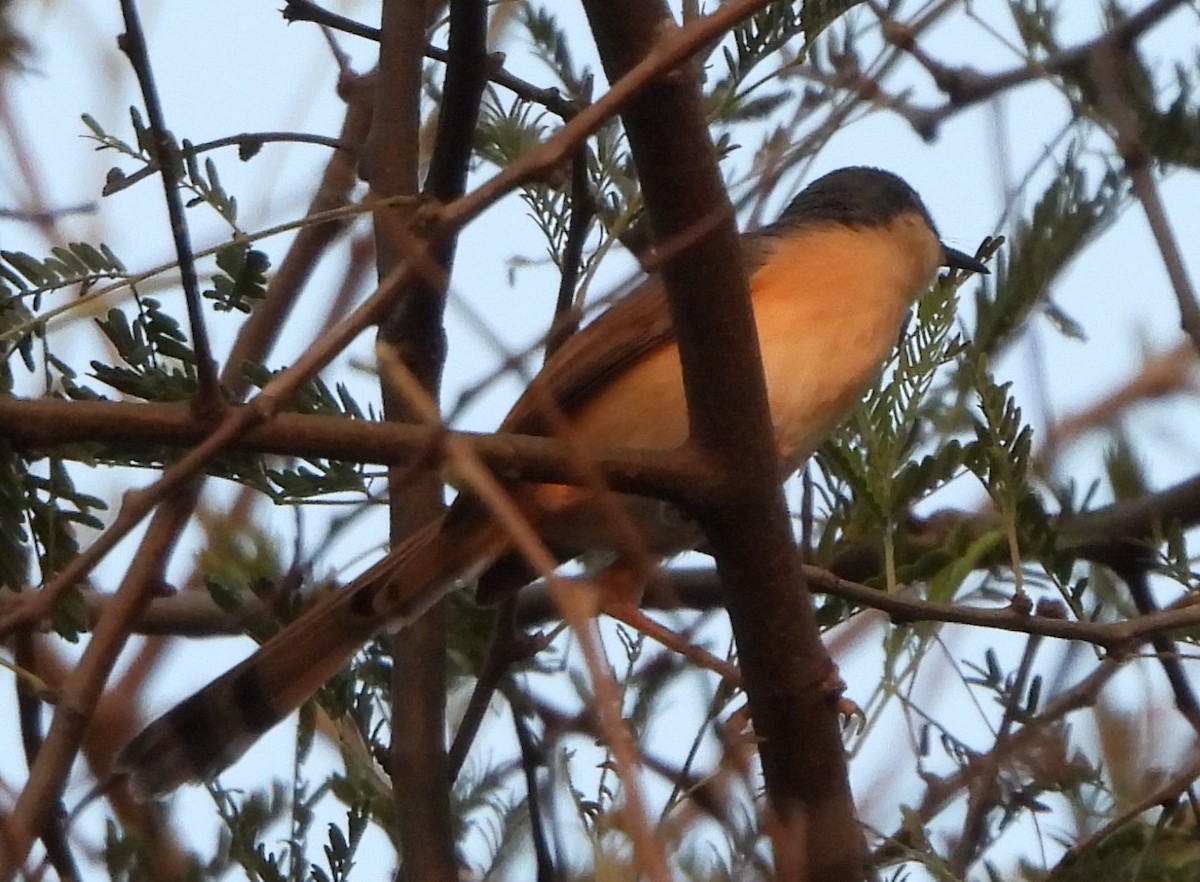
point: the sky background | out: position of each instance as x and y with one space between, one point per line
230 66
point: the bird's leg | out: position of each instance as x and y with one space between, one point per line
619 589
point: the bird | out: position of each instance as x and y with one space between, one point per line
831 282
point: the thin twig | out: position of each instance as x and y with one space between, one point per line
1105 66
1161 374
46 215
248 144
551 99
583 209
986 783
133 44
1166 649
698 589
1118 638
532 758
29 714
966 87
1146 190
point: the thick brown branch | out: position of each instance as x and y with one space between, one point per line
197 615
413 334
35 426
786 669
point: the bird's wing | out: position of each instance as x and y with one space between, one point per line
622 335
634 326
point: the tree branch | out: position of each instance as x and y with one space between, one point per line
83 686
787 672
257 336
551 99
133 44
966 87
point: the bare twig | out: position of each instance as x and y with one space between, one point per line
965 87
29 713
1105 67
248 144
508 647
532 758
43 216
133 44
257 336
1166 649
1161 374
1118 638
699 589
112 722
551 99
1146 191
985 786
583 209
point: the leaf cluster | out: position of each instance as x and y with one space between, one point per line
203 182
551 43
41 512
873 464
76 263
24 280
1070 214
938 412
159 365
242 280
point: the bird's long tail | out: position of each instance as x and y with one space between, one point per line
209 730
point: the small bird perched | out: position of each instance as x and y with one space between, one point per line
830 283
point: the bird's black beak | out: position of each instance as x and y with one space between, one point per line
960 260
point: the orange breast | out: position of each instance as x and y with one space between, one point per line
828 304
